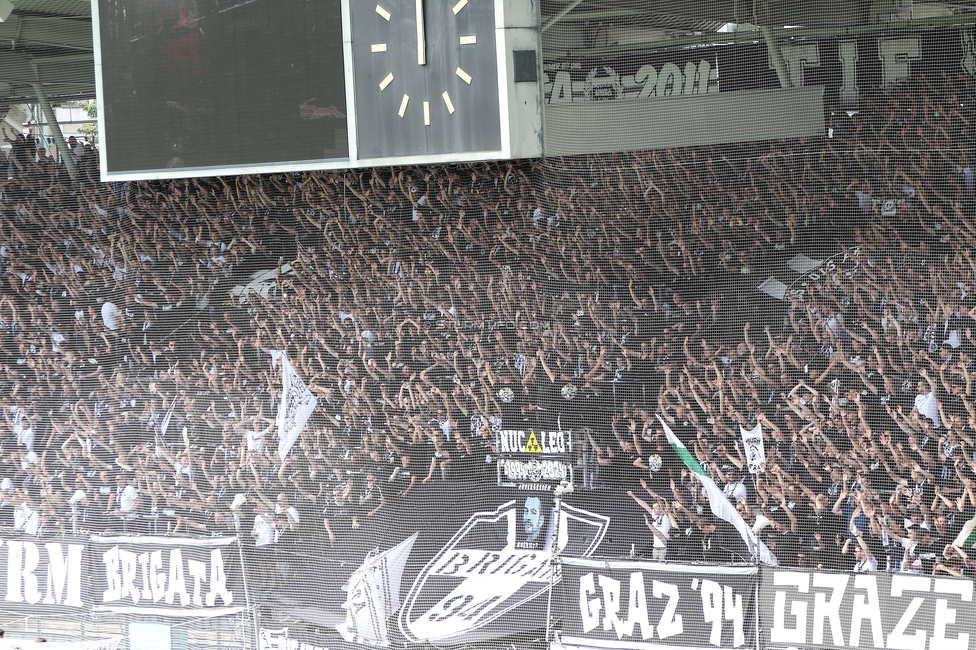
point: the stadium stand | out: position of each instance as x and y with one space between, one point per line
426 306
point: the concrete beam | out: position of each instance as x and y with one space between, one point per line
47 31
77 69
683 121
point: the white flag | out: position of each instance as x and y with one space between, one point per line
374 595
755 449
110 315
166 419
297 404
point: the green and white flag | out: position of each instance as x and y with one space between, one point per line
967 536
720 506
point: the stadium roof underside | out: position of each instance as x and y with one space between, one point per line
594 28
47 44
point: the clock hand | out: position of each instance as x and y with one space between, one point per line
421 39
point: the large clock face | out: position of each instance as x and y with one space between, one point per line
425 76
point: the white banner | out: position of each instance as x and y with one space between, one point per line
754 448
374 595
803 271
279 639
297 404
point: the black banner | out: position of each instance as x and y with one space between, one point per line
158 576
846 66
633 605
465 563
163 576
537 460
43 576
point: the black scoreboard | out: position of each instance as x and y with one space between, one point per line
207 83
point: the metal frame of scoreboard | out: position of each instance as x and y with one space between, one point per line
513 97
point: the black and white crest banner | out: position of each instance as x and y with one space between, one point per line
297 404
754 448
495 572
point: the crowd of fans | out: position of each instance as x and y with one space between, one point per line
426 308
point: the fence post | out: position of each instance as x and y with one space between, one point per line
755 604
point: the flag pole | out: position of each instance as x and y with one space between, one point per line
564 488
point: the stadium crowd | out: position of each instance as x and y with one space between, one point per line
426 308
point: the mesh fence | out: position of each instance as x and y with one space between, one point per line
587 400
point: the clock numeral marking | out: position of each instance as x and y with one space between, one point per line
387 80
421 37
403 105
470 39
459 6
465 77
383 12
378 47
447 100
426 113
